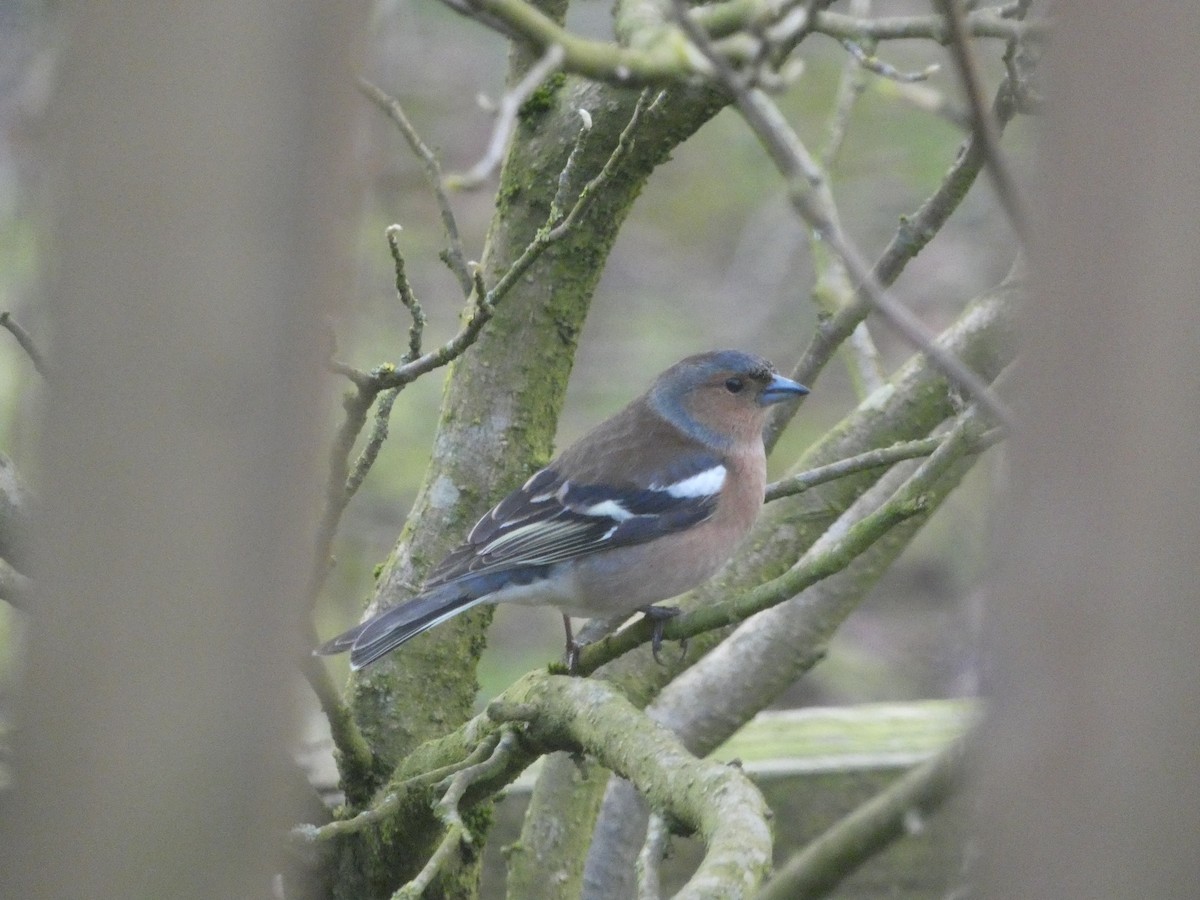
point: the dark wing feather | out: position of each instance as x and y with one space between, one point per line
551 519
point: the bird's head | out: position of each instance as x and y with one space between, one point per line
721 396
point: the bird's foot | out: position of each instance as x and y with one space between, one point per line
659 616
573 647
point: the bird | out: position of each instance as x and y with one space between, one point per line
647 505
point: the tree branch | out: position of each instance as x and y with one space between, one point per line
832 289
506 120
663 55
982 122
817 869
715 800
871 459
914 233
453 256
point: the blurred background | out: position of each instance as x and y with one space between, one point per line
711 256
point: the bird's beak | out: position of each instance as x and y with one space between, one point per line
780 388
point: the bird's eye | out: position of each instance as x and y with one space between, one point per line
734 385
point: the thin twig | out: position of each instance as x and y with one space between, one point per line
454 256
345 480
557 226
447 849
357 404
395 796
467 776
982 121
982 23
457 835
909 239
872 459
568 170
851 84
353 479
405 292
832 289
872 63
26 342
374 443
644 106
506 120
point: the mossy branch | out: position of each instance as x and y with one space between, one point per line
714 800
656 53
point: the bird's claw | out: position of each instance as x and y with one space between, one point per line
659 616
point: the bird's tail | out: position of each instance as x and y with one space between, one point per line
389 629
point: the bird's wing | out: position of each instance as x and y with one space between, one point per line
552 519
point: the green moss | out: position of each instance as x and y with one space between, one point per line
542 100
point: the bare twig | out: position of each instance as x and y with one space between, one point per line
871 459
453 256
405 292
851 85
506 120
811 203
454 838
787 22
353 479
396 795
356 405
981 119
568 170
832 289
872 63
374 442
484 300
914 233
479 770
26 342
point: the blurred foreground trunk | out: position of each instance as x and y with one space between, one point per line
190 254
1091 784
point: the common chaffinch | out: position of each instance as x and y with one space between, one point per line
645 506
